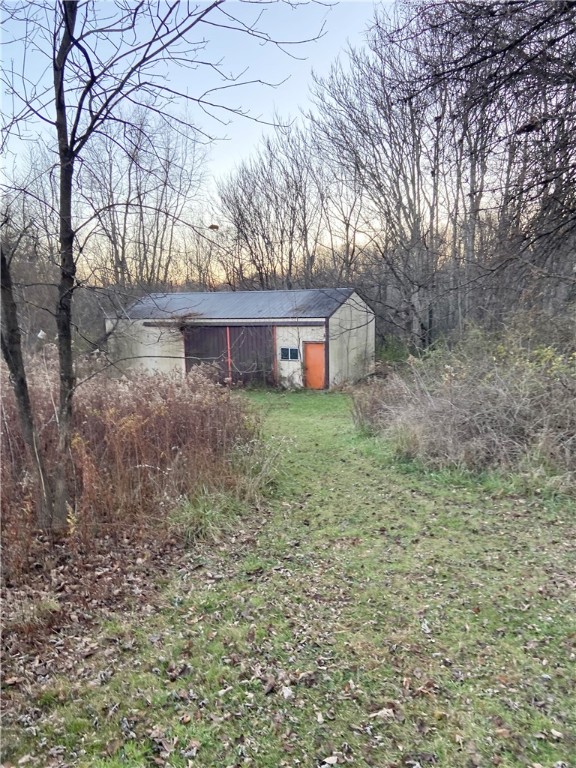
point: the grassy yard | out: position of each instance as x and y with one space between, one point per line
371 615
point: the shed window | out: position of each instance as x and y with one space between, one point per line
289 353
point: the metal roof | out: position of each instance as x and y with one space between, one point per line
240 305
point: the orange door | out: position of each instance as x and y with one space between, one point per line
314 365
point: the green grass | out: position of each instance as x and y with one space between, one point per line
375 614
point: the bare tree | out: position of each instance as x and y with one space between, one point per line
262 213
12 352
382 135
96 59
276 204
142 200
458 121
515 62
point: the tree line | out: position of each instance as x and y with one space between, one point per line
434 172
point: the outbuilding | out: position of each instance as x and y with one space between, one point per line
317 338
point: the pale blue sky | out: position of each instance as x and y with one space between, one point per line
343 23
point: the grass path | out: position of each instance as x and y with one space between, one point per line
374 617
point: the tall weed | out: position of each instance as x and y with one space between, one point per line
140 446
489 402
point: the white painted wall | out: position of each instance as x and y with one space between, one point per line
351 331
137 347
291 372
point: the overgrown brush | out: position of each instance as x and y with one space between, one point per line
490 402
140 446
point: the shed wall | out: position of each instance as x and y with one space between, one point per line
351 331
133 346
291 372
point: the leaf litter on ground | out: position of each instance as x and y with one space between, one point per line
376 617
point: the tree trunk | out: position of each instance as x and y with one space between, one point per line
64 324
12 353
67 275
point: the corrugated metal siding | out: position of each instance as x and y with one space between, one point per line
252 350
251 347
206 345
240 305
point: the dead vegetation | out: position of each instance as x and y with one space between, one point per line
141 448
505 402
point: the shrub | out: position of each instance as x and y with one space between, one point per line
139 447
489 402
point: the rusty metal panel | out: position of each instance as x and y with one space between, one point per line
252 353
206 344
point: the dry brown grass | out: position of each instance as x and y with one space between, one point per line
487 403
140 447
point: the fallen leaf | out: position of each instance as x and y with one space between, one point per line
13 681
113 746
418 758
191 749
383 714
